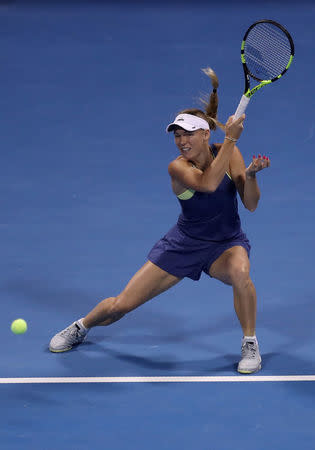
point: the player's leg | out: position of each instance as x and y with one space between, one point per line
232 268
147 283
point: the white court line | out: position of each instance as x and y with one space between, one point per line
210 379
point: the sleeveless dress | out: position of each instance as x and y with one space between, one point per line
208 225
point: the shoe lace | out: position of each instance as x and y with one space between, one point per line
72 333
249 349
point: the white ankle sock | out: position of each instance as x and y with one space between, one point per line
81 325
249 338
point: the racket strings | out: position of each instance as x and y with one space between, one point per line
267 51
277 46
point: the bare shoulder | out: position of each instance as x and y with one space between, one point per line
179 165
182 175
173 164
174 168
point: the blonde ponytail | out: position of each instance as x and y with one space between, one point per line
211 104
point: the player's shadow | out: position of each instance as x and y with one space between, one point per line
92 359
219 364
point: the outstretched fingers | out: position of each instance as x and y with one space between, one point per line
259 163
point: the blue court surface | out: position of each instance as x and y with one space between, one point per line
87 89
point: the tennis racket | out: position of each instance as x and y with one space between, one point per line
267 52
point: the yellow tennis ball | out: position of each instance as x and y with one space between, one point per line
18 326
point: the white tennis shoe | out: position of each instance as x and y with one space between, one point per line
68 338
251 359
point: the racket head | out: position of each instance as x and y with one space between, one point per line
267 51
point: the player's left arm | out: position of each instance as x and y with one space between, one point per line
245 178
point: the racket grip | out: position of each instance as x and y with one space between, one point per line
241 107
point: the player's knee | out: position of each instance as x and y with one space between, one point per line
114 310
239 273
120 305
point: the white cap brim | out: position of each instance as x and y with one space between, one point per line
188 122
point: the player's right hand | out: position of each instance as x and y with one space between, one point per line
234 128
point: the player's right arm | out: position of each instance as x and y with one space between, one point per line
188 175
208 180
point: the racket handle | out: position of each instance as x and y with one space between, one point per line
241 107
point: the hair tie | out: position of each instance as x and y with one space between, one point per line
214 90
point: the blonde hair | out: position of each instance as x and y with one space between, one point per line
210 104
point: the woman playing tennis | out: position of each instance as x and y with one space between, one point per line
207 237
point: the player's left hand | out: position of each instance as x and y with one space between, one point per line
257 164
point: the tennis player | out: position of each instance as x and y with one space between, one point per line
207 237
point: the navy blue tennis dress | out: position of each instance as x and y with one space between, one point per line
208 225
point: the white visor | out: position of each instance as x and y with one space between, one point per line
189 123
